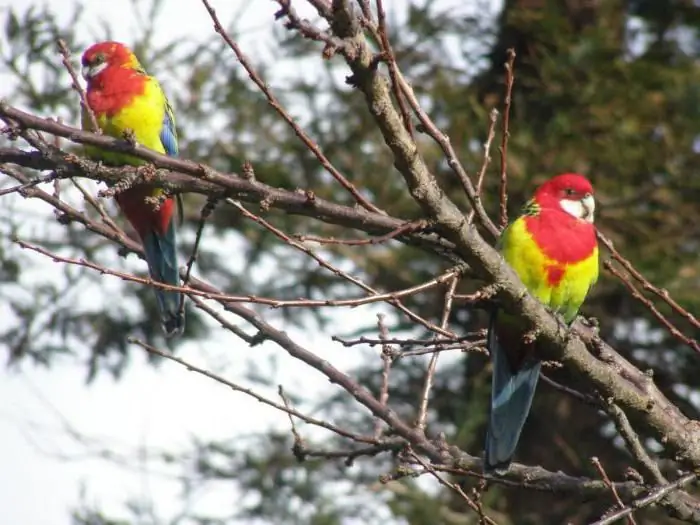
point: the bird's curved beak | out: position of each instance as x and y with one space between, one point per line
588 205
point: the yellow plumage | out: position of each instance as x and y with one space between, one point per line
143 117
532 265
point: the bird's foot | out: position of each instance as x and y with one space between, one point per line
130 137
562 325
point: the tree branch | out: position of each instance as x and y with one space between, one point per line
612 375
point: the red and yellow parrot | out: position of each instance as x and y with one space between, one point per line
127 101
552 247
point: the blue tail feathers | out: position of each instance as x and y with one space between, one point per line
511 398
161 256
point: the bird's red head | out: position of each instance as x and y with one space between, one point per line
104 55
569 192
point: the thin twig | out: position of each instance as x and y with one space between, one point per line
598 465
204 215
237 388
585 398
493 118
455 487
275 104
298 448
634 444
428 384
364 340
503 191
351 455
474 346
387 360
646 285
390 59
673 330
206 212
404 228
65 54
20 188
97 206
390 299
450 155
225 323
656 494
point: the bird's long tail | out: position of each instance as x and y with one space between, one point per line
161 256
511 399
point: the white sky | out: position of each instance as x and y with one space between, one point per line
149 408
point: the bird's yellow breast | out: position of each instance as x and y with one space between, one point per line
142 117
561 286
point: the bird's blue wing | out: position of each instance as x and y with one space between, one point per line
168 134
511 398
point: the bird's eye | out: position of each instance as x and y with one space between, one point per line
94 60
569 192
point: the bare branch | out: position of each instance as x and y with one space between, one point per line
202 179
634 292
237 388
597 464
455 487
272 100
654 496
75 84
405 228
392 298
432 365
387 360
634 445
390 59
493 118
503 190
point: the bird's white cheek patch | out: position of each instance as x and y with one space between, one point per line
90 72
572 207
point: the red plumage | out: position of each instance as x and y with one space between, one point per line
118 84
113 90
145 218
560 236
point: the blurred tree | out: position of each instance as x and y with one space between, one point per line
606 88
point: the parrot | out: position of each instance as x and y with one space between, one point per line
127 102
553 249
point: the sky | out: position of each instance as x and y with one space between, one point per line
55 430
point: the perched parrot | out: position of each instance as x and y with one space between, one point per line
552 247
128 102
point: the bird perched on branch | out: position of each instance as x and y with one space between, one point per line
552 247
127 102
